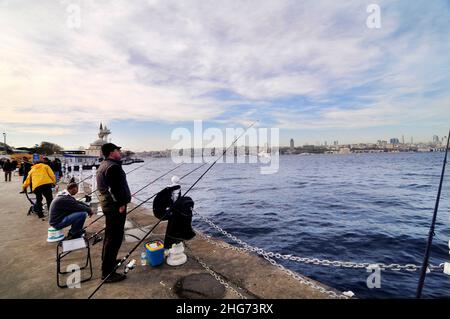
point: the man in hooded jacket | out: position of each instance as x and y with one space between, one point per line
43 180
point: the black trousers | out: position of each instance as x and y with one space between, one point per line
114 232
7 176
46 191
23 180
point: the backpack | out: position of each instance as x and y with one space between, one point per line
163 201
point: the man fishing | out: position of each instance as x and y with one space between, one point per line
114 197
66 211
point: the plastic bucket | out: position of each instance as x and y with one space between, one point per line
155 253
54 235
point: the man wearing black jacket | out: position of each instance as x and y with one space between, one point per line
114 197
26 168
66 211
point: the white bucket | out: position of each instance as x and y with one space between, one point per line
176 256
54 235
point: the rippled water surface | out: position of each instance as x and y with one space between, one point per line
360 207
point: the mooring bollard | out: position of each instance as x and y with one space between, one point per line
80 176
94 184
65 173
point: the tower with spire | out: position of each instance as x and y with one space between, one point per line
103 133
95 148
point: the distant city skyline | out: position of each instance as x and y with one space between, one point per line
86 137
315 69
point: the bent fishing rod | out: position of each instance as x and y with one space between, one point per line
142 203
124 259
431 234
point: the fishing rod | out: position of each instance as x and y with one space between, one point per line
153 181
96 237
124 259
78 183
140 204
131 171
181 178
431 234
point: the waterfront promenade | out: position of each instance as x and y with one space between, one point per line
28 264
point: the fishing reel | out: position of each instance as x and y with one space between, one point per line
96 240
130 266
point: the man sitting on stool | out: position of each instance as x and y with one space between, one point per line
66 211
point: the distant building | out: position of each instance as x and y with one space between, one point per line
336 143
292 144
95 149
435 139
394 141
91 155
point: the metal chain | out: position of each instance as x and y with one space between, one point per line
216 276
316 261
274 263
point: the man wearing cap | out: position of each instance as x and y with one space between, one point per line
114 197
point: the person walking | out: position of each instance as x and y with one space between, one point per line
43 180
7 168
26 167
57 169
114 195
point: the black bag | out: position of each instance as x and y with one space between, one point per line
179 227
163 201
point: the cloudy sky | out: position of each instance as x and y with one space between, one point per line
314 69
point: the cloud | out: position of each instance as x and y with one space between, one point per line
166 60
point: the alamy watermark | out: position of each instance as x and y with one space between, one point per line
73 14
373 21
255 145
74 279
374 279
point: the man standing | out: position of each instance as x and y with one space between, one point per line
66 211
114 197
7 168
26 168
43 180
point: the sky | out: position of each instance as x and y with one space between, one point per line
313 69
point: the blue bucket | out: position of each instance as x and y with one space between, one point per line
155 253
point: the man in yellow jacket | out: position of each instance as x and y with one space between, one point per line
43 179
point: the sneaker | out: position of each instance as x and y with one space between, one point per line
115 277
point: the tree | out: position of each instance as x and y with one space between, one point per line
47 148
5 148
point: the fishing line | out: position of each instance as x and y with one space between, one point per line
166 214
431 234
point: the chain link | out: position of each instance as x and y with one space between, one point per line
307 260
216 276
268 256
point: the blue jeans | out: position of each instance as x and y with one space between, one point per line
76 220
